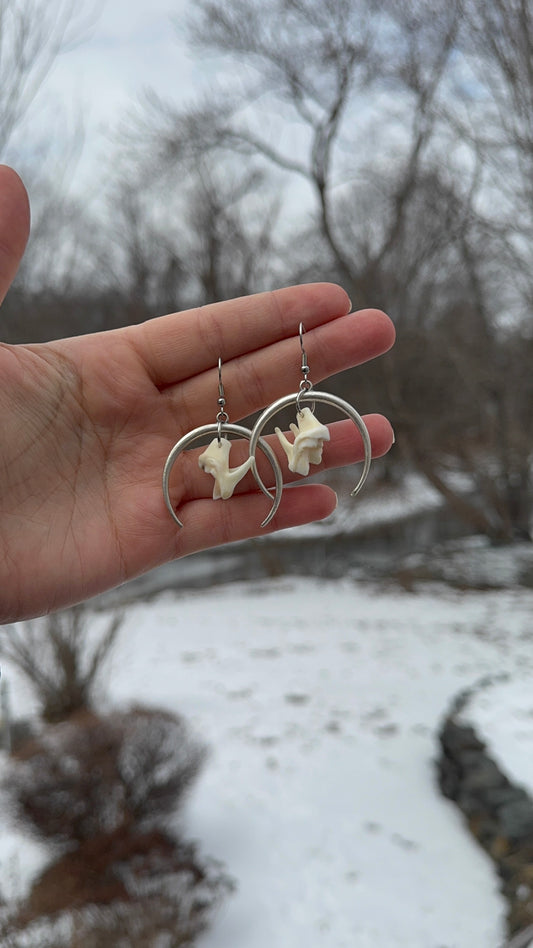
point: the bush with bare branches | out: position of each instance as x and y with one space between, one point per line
106 789
92 775
138 892
61 657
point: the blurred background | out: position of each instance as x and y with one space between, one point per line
182 153
179 153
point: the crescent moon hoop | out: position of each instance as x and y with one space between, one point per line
221 430
329 399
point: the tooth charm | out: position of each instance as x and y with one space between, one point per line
309 437
215 461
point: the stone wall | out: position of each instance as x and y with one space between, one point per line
498 813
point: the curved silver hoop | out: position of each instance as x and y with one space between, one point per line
329 399
218 430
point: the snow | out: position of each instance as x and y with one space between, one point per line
21 859
502 713
384 504
472 561
320 701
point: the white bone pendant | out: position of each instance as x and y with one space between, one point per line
309 437
215 461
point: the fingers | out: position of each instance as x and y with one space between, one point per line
181 345
256 379
344 448
208 523
14 226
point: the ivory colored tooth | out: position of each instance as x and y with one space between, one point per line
309 439
215 461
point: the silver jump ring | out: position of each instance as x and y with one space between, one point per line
329 399
219 429
222 421
305 387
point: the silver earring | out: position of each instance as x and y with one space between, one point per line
309 433
215 459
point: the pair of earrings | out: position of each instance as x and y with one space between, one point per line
309 437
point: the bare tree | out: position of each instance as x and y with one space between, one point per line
498 40
61 252
32 34
144 268
322 66
187 228
229 236
379 96
61 657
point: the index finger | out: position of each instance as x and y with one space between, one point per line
180 346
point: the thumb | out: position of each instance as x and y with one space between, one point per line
14 225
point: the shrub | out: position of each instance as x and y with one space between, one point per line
135 885
61 657
95 774
173 917
103 786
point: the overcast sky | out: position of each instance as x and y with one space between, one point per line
133 45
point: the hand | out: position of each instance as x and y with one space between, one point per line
87 423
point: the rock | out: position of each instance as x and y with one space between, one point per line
516 819
499 814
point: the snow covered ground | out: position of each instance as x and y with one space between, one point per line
502 714
321 702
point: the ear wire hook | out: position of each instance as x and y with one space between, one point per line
305 367
220 385
222 416
305 385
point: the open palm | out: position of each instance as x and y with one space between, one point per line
87 424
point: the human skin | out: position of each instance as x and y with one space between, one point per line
87 422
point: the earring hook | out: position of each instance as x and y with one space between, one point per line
305 367
305 384
222 416
220 385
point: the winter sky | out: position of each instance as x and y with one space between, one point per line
131 45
